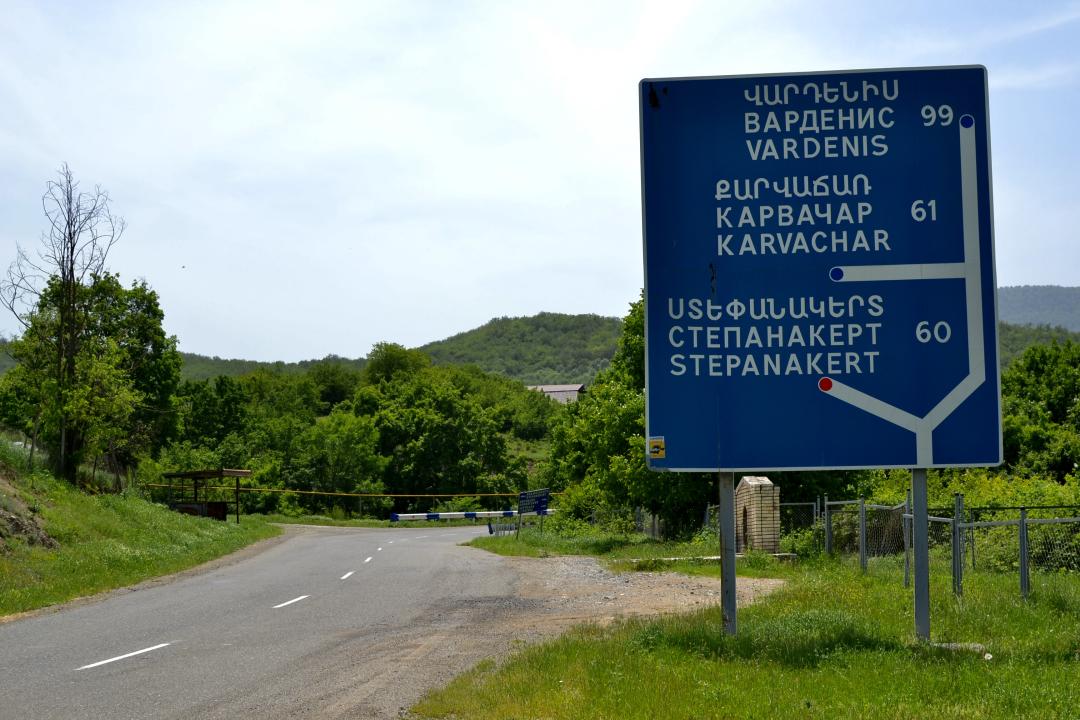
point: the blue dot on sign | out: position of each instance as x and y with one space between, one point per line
837 274
967 120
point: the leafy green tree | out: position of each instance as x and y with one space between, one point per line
339 454
210 411
116 400
515 409
629 359
334 381
1041 410
598 446
132 318
436 439
387 361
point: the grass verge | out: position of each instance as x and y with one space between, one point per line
609 546
105 542
834 643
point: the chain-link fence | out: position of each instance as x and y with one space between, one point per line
1037 544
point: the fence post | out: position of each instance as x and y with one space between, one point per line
974 518
862 533
1025 581
828 528
957 546
963 543
905 527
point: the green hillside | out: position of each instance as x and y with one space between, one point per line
201 367
1013 340
1040 305
546 348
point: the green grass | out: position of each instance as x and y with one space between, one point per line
106 542
608 546
833 643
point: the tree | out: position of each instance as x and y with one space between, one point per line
389 360
132 319
339 454
335 381
598 446
436 438
1041 410
119 401
81 231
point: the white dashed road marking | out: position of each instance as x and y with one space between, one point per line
290 602
368 560
346 575
123 657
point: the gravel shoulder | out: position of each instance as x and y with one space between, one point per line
579 589
550 596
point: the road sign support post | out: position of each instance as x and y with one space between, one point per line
920 527
727 551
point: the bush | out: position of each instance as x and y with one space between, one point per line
805 542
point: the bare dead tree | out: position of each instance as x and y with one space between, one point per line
74 248
81 232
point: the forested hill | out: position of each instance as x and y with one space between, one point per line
548 348
201 367
1040 305
1013 340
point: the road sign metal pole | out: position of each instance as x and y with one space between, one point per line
727 550
920 531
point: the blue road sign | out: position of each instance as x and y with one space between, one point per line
819 271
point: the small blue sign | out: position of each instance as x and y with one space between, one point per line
819 271
534 501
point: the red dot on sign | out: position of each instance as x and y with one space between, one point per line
824 384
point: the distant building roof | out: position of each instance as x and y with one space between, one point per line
560 393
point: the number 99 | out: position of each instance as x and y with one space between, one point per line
942 115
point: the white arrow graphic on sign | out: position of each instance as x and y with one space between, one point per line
969 271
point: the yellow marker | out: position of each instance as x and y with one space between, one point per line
657 449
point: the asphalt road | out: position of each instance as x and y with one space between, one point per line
328 623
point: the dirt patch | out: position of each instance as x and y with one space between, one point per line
572 590
549 596
17 521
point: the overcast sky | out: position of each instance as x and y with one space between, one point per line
308 178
